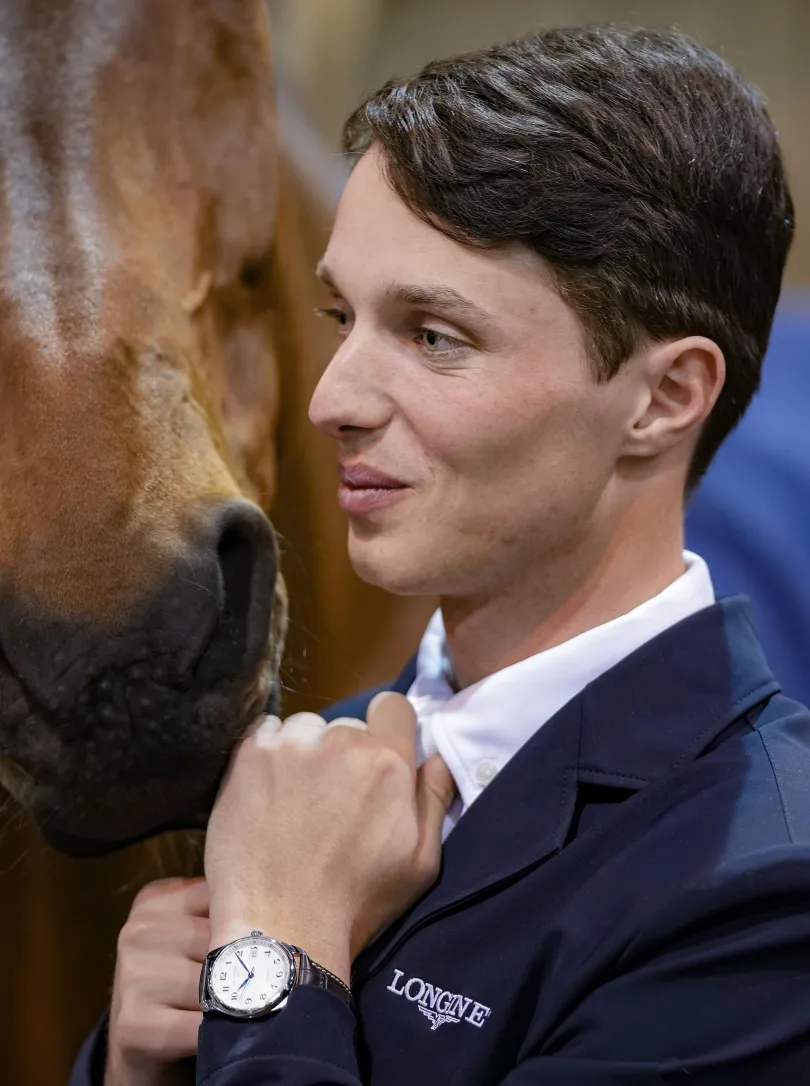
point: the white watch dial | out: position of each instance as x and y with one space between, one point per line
250 974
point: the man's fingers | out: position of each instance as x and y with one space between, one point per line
348 722
264 731
170 935
391 718
435 791
188 896
168 1035
164 980
306 729
181 1030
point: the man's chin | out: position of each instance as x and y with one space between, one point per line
397 582
393 565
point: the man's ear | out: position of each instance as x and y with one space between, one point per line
680 382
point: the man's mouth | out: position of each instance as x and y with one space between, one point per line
364 489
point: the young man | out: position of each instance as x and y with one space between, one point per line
554 270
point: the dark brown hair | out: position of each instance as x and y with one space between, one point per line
641 168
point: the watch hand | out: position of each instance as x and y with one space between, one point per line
243 964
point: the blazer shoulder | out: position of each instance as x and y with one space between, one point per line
752 792
783 731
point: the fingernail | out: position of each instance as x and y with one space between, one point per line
309 719
267 731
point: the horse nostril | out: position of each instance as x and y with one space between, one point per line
235 557
247 568
197 647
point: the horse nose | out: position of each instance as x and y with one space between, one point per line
245 571
204 627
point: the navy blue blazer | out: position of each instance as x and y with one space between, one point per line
627 903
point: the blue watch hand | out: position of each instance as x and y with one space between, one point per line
244 982
242 963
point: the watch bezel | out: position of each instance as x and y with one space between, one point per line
208 998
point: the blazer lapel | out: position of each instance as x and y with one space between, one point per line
664 704
520 820
658 708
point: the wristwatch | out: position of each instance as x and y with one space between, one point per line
254 976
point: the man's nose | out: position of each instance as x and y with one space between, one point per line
351 393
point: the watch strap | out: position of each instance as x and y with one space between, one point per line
309 972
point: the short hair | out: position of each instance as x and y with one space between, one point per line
641 168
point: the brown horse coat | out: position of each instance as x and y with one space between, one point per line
138 398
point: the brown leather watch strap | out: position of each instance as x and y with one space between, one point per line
309 972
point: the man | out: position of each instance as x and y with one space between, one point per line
553 270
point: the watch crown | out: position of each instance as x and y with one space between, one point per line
256 932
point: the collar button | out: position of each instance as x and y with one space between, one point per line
485 772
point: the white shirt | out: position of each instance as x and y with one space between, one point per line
478 729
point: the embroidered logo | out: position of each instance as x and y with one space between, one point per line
437 1004
437 1019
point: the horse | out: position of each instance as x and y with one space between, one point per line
158 349
142 611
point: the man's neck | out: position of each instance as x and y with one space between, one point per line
563 596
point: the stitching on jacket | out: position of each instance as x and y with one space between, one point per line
611 773
570 780
778 784
696 745
757 689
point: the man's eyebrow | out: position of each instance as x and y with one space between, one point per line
434 297
427 295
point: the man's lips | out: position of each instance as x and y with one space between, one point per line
364 489
363 477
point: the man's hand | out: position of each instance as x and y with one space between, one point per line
323 835
155 1011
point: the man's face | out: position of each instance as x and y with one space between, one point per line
462 375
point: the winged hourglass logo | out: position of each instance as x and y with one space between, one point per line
437 1019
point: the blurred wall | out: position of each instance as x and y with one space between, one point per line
767 42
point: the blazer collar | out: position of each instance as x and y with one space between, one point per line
404 681
656 709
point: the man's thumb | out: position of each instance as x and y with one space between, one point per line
435 791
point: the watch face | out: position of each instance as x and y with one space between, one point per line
250 975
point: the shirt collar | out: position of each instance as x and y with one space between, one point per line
478 729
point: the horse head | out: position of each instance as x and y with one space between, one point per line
141 609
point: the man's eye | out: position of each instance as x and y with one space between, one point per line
339 316
437 342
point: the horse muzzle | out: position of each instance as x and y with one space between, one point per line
113 731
